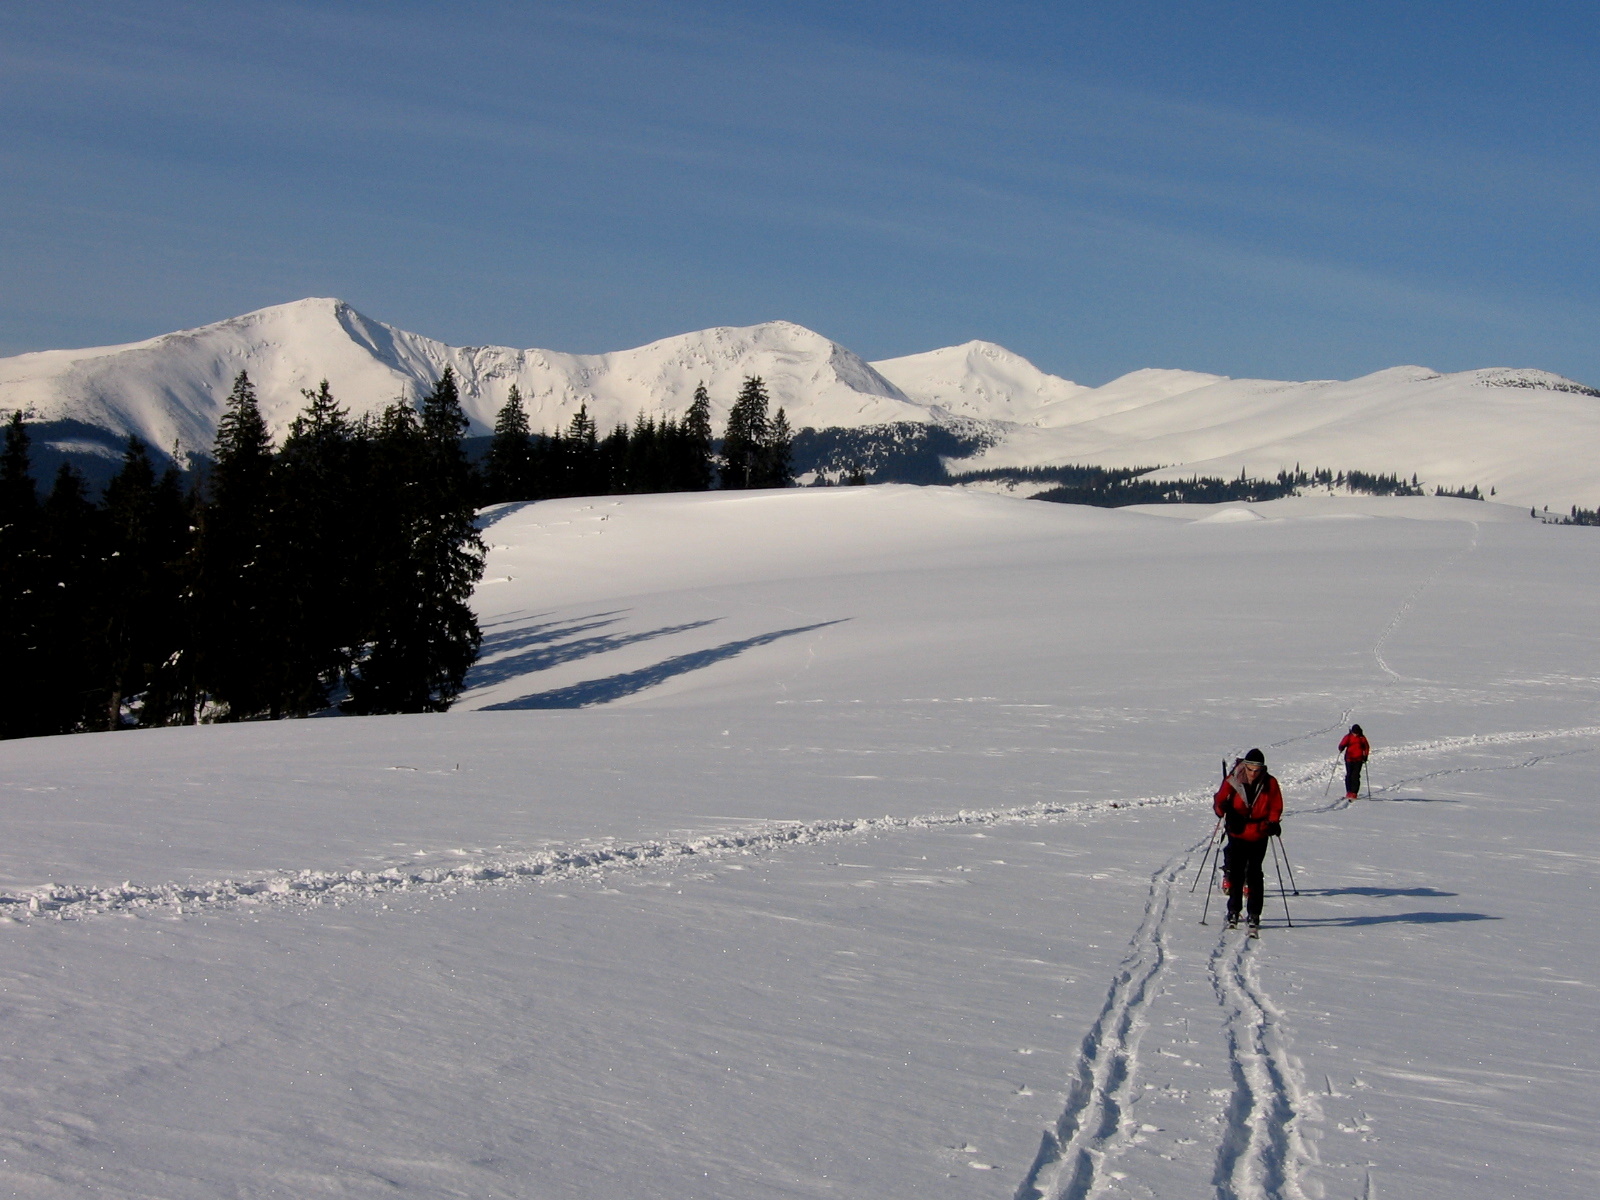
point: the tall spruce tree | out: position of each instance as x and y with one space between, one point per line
237 594
746 437
425 637
135 627
615 461
71 570
317 546
510 467
697 465
584 473
777 461
646 455
22 610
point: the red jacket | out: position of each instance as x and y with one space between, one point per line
1242 817
1356 747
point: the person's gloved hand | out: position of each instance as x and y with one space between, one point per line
1274 829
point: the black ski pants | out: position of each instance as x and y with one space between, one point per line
1352 775
1241 866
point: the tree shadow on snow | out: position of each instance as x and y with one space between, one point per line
615 687
1411 918
542 654
520 635
490 520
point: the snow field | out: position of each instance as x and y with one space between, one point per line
897 904
1531 435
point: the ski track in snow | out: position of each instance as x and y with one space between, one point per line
64 901
1262 1152
68 902
1092 1131
1410 602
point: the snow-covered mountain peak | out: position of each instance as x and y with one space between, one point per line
980 380
1531 434
170 390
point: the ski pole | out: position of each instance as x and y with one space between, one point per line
1328 786
1295 887
1281 892
1209 888
1207 855
1367 767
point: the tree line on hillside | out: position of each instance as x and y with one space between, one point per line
654 455
334 569
1117 487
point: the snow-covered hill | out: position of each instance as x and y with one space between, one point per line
982 381
1532 436
170 389
852 842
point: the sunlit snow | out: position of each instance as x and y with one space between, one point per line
846 842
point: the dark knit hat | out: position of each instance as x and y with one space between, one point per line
1356 729
1255 756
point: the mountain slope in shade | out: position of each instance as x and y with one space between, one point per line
170 390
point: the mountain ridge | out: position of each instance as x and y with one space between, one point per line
1531 434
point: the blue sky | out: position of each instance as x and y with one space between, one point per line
1294 190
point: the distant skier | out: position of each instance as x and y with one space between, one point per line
1250 804
1356 749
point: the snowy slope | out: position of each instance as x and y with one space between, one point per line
980 380
170 390
1531 435
840 843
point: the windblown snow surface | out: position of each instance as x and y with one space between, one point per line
848 842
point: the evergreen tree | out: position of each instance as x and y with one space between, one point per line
581 455
443 426
778 459
21 611
169 687
695 444
386 582
651 447
239 636
135 627
746 437
510 474
615 463
72 556
317 544
425 636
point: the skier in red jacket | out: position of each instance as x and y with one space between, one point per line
1250 804
1355 748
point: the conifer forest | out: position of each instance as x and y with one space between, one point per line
332 571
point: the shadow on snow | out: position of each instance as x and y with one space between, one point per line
615 687
1411 918
541 654
1373 891
1407 800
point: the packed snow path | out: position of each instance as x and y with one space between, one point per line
890 852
